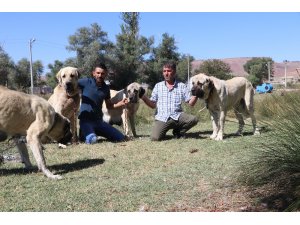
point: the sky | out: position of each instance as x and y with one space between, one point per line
203 35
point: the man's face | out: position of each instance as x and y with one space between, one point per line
99 74
169 73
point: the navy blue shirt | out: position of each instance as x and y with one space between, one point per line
92 98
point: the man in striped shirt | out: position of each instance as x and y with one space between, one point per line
167 97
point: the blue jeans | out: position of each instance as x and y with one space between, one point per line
100 128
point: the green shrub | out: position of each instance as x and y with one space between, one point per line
278 158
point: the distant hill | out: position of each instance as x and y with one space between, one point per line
236 65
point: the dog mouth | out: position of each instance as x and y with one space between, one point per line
198 93
133 99
69 87
71 91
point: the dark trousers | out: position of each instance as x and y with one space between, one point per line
182 125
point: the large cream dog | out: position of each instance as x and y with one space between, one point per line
65 98
220 96
32 116
122 115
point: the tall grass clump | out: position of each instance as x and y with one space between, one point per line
277 158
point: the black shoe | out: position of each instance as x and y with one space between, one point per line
177 134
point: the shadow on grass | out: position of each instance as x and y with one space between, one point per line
59 169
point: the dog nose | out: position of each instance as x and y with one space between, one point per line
193 91
69 86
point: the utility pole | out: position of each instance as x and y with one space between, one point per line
285 62
188 70
31 70
269 72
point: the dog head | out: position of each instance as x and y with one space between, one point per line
133 92
68 78
201 86
61 130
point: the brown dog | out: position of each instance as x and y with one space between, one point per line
122 115
66 96
32 116
220 96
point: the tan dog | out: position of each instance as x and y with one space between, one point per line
65 98
32 116
122 115
220 96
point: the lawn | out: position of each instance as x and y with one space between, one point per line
192 174
239 174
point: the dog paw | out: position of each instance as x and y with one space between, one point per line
213 136
256 132
62 146
238 133
56 177
219 138
53 176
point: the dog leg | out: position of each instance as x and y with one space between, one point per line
73 124
240 118
132 125
22 148
214 119
38 154
124 117
256 130
221 126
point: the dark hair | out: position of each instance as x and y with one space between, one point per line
170 64
100 65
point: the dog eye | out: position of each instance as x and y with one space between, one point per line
72 75
199 84
135 91
63 76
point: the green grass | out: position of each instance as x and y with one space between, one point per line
193 174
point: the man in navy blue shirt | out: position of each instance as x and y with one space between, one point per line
94 92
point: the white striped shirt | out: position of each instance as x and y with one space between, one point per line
168 102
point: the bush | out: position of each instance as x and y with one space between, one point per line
278 158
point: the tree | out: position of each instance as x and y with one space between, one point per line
22 78
6 69
216 68
51 76
37 69
257 68
91 46
182 67
166 51
130 52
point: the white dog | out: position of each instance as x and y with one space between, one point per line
66 96
32 116
220 96
122 115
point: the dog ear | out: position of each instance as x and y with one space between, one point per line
78 73
58 76
141 92
216 83
210 83
126 92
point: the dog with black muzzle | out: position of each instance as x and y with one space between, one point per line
119 116
31 116
66 96
220 96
